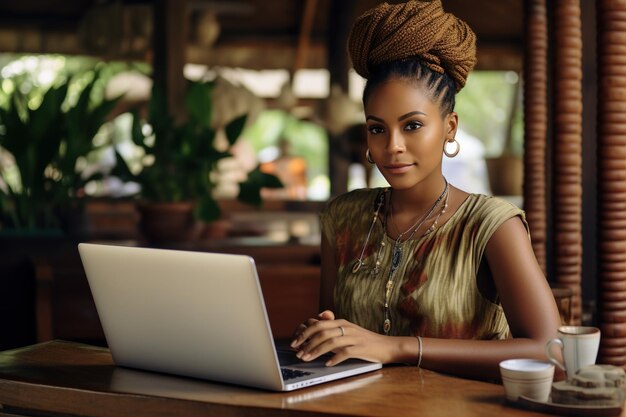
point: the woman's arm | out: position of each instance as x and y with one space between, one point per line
526 298
528 304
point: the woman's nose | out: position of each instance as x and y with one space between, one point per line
396 142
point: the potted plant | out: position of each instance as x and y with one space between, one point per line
176 170
33 137
46 143
27 221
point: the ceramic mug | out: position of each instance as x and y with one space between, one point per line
528 377
579 346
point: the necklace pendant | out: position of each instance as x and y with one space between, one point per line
396 258
386 326
357 266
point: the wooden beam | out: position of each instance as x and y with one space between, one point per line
256 56
170 41
304 38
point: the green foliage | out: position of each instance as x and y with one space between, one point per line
306 138
46 143
250 190
485 107
33 137
183 156
83 121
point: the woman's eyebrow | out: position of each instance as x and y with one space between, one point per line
376 119
413 113
404 116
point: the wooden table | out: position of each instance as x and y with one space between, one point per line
65 378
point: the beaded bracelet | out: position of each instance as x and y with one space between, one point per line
419 355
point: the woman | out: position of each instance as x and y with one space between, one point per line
423 272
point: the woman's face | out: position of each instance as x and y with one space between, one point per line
406 132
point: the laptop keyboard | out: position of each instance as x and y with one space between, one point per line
293 373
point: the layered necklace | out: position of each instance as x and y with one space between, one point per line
397 253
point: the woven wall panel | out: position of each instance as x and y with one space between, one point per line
567 150
612 180
536 124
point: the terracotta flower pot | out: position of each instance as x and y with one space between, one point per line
168 222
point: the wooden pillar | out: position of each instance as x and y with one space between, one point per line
611 164
536 124
340 20
169 48
567 151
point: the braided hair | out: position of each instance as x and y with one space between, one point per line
415 41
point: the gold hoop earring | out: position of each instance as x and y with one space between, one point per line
456 150
369 157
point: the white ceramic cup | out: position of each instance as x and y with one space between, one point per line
531 378
579 346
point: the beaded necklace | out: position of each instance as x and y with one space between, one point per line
358 263
397 251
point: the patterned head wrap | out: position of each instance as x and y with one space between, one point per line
419 29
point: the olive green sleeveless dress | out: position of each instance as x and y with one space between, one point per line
435 294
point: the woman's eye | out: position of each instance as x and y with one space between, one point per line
413 126
375 129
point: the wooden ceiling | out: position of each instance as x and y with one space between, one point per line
253 33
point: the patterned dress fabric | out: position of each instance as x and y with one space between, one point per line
435 292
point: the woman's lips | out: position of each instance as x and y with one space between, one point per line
398 168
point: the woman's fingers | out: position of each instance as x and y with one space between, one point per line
340 356
299 336
310 322
323 343
319 334
301 328
308 332
346 341
327 315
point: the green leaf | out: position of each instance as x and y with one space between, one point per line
15 130
205 138
136 132
44 116
207 209
82 105
199 103
250 190
158 111
262 179
101 112
96 176
121 169
250 193
234 129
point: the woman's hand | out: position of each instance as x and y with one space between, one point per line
324 315
344 339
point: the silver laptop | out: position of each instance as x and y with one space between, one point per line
195 314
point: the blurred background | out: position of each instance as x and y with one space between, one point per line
283 63
219 125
